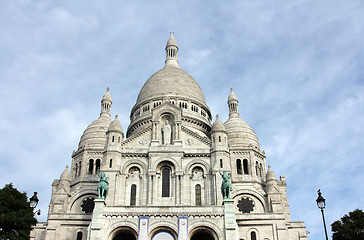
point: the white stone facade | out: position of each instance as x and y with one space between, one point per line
164 180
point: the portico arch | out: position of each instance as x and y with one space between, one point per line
123 233
162 233
203 233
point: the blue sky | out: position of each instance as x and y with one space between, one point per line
297 68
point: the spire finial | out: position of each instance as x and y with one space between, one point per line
231 89
171 32
217 116
116 116
108 89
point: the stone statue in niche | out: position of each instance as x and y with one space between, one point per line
197 174
134 172
166 133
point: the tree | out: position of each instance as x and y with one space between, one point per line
16 215
349 226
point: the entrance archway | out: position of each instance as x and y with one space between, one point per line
203 234
125 233
163 236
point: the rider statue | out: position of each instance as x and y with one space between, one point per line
103 186
225 185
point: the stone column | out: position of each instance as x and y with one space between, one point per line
155 134
96 222
231 227
151 186
177 140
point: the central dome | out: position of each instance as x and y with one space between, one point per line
171 81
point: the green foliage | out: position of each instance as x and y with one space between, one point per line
16 216
349 226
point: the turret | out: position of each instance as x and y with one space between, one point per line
114 134
65 180
219 146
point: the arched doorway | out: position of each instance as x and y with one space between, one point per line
203 234
125 234
163 236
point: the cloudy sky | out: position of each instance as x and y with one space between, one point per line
297 68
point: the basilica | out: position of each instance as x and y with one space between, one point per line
165 173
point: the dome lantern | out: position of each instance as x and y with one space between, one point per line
233 103
106 103
172 52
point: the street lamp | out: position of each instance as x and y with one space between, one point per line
34 202
321 204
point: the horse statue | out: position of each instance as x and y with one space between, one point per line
225 185
103 186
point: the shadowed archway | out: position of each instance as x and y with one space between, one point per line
203 234
125 234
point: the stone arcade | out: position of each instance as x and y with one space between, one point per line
164 177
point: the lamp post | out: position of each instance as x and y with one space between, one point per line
34 202
321 204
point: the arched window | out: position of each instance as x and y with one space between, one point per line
97 166
119 140
79 168
76 169
110 165
219 138
113 139
166 172
245 165
79 236
261 170
91 166
256 168
198 194
253 236
221 165
238 166
133 195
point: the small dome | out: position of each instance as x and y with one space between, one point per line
172 42
240 134
232 96
218 125
115 126
270 175
95 133
65 176
107 95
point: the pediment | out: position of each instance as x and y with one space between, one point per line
138 140
273 190
194 139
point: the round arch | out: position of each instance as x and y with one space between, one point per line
123 233
163 229
113 228
175 164
249 234
134 163
203 232
166 109
197 163
207 225
252 193
74 199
